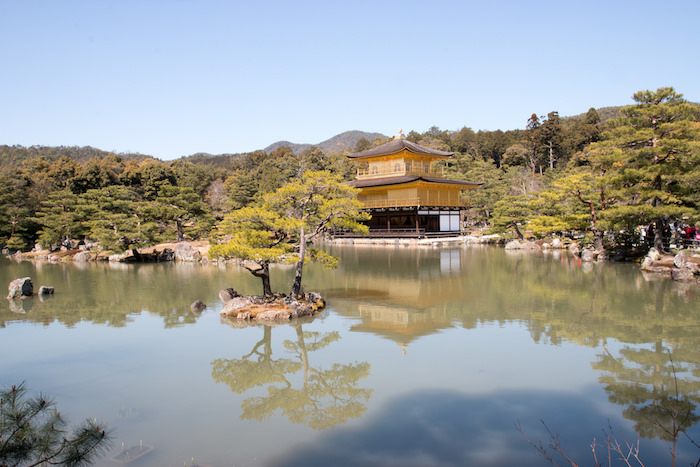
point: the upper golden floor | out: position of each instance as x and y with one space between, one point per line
398 157
397 165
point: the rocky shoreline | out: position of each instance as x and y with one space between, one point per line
195 251
683 266
243 308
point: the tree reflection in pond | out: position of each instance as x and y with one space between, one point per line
660 393
326 398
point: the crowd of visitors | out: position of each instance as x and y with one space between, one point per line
676 234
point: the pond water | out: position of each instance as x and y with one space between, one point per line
423 356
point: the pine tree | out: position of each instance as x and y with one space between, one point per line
284 224
313 204
651 159
258 237
32 432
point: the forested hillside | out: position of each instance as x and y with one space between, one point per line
613 168
15 155
341 143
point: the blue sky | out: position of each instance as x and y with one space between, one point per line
174 77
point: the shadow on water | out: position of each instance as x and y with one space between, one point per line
451 429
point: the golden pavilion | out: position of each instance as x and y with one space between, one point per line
405 193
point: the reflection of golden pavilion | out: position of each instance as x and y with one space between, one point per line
414 301
405 193
401 325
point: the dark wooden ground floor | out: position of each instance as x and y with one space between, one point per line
411 222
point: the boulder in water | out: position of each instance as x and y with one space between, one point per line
21 287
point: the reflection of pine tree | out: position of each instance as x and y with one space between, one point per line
326 397
246 373
661 394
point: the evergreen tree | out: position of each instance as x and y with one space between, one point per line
183 208
14 211
154 175
240 189
258 237
573 202
32 432
117 219
551 138
481 201
60 219
519 201
587 131
316 202
532 135
651 157
313 159
465 142
287 221
362 145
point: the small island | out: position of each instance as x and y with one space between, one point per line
277 308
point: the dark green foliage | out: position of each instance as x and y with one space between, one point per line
155 174
650 158
195 176
14 156
643 169
481 201
219 161
117 219
128 200
313 159
60 217
362 145
241 188
32 432
14 210
119 204
180 210
586 131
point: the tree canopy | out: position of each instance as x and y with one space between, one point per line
608 168
282 227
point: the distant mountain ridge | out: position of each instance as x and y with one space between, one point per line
339 143
13 156
344 142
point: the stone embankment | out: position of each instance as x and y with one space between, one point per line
586 254
536 245
407 241
181 251
683 266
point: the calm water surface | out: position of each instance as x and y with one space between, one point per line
422 357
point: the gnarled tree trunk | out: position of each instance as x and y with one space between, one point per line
296 286
263 272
